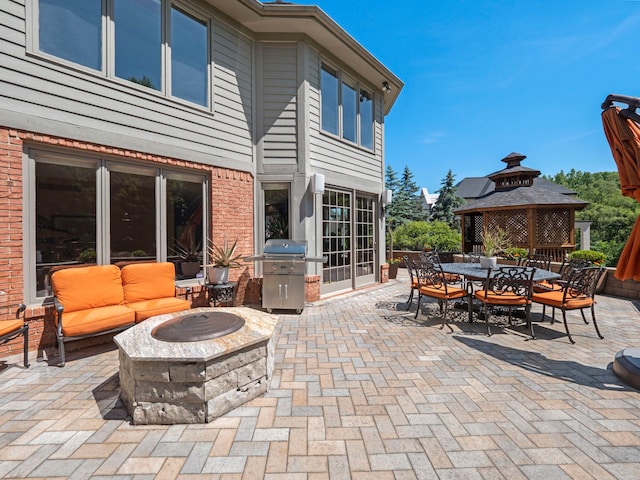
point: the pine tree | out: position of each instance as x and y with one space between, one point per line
447 202
406 205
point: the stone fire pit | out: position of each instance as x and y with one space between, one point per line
196 381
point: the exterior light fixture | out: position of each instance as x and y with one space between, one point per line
317 183
386 88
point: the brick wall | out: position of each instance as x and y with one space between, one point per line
231 218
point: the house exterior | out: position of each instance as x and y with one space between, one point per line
147 129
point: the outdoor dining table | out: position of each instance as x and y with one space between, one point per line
473 271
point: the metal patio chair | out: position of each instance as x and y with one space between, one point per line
577 293
14 328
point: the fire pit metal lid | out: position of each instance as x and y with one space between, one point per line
197 327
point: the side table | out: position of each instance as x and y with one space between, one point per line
221 293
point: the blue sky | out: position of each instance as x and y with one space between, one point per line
484 78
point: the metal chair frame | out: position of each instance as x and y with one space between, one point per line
432 282
578 293
20 331
413 278
508 287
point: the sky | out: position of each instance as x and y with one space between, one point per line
484 78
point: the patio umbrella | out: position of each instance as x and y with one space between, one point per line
623 134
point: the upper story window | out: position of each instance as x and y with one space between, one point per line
72 29
170 55
347 109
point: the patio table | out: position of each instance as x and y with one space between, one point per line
473 271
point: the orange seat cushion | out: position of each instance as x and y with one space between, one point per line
554 299
439 293
546 286
8 326
508 299
148 281
94 320
158 306
88 287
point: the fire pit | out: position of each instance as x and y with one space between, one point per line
198 327
170 373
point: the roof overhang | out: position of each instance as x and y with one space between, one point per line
310 20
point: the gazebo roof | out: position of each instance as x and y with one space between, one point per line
515 187
518 197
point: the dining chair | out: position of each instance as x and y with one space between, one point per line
413 278
507 287
432 283
14 328
577 293
537 260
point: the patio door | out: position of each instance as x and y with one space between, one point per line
365 241
348 240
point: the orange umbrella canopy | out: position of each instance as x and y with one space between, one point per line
623 135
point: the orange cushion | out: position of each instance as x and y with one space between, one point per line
99 319
546 286
554 299
147 281
8 326
88 287
508 298
434 292
158 306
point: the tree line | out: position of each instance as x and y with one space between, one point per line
612 215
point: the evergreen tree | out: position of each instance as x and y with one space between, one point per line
447 202
392 183
406 205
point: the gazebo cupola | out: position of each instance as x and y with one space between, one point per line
514 175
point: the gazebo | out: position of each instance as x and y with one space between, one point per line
537 218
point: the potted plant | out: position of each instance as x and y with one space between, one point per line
394 263
493 242
222 258
189 254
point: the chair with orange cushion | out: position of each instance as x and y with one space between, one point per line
577 293
14 328
432 282
413 278
507 287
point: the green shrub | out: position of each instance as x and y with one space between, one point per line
591 256
418 235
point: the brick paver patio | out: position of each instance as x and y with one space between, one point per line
361 390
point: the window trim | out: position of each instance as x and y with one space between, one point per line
107 71
103 165
343 78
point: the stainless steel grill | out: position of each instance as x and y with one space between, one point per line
283 269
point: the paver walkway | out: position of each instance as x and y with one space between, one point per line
361 390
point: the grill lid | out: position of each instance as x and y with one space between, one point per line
285 247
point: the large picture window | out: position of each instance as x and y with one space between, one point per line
346 108
153 42
101 211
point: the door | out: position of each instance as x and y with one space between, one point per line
365 241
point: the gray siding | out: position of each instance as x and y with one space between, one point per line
279 90
330 154
43 95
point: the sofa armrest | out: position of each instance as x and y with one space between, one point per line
59 309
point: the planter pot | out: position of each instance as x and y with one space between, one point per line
190 269
393 270
218 275
488 262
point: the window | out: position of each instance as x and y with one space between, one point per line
72 29
153 43
188 57
101 211
349 113
329 100
276 211
366 120
138 41
346 109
